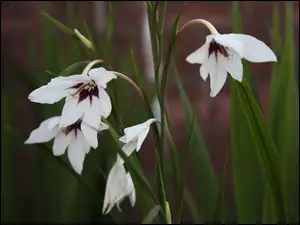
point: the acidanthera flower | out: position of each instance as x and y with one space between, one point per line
222 53
85 96
77 137
119 185
135 136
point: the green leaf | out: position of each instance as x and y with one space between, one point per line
264 147
109 32
284 112
136 70
61 26
206 180
74 67
152 215
220 202
248 186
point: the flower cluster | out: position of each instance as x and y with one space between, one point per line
87 103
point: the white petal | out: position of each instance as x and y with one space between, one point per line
90 135
131 190
54 122
203 72
48 94
141 138
60 144
103 126
101 76
211 66
132 132
230 42
218 81
72 110
113 190
123 139
43 133
105 103
129 148
233 64
253 49
199 55
92 114
74 79
76 152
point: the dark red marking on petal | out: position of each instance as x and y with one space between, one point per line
77 85
94 91
214 47
75 126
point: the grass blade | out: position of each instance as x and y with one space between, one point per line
264 146
206 180
248 184
284 112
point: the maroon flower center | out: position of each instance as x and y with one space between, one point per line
86 91
214 47
73 127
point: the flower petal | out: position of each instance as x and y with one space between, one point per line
74 79
105 103
203 72
43 133
217 81
113 190
233 64
76 151
90 135
48 94
101 76
72 110
141 138
253 49
131 189
129 148
92 114
60 143
199 55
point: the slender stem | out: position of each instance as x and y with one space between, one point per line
90 65
133 84
209 26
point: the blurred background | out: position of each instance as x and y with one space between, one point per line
34 186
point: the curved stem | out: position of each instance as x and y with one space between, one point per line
90 65
133 84
209 26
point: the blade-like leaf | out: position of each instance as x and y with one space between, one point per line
74 67
206 181
61 26
284 112
152 215
248 185
264 147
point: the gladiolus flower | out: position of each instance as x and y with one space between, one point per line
77 137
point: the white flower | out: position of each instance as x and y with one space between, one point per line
78 137
119 185
222 53
135 136
85 96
